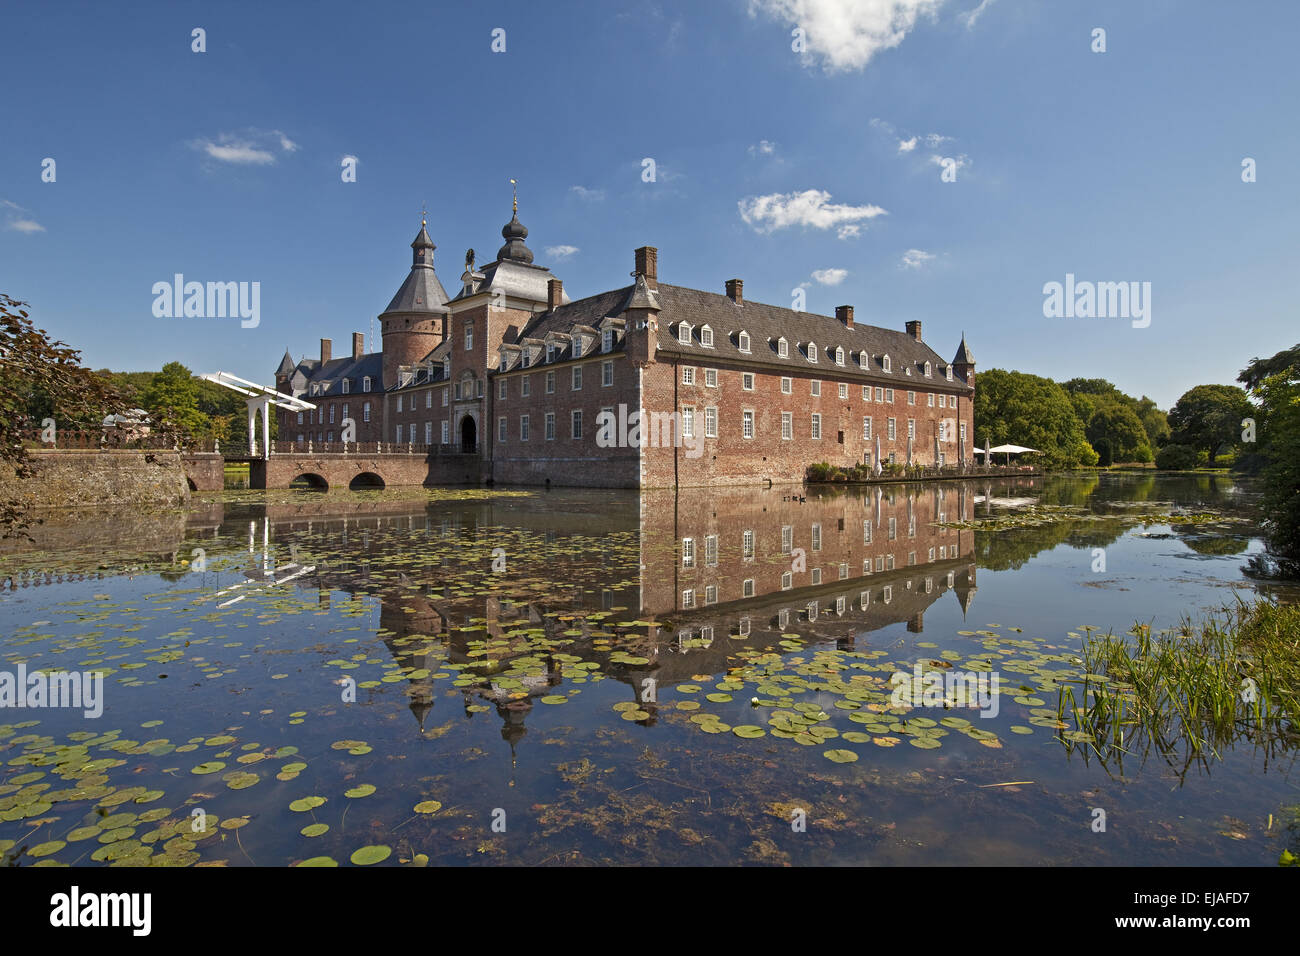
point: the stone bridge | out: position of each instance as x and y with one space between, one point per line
340 470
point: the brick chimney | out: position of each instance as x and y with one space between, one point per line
358 344
647 264
736 291
554 294
914 329
845 314
325 346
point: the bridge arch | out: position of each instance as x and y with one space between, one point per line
366 481
309 481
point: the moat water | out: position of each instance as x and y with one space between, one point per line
560 677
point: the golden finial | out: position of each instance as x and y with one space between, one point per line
515 209
423 215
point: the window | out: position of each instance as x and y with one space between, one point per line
575 423
844 573
782 348
816 579
889 395
525 387
880 394
747 381
606 340
891 433
688 598
446 432
706 337
952 401
839 355
710 597
893 528
550 426
711 550
331 414
816 425
300 418
550 383
523 427
399 434
711 422
844 390
443 392
787 538
747 545
942 431
747 423
866 533
550 352
365 384
927 369
365 412
864 360
948 373
501 389
688 375
399 403
428 398
683 333
786 386
911 428
458 392
866 428
885 364
816 537
410 432
710 378
576 383
469 334
742 341
688 552
688 421
812 351
786 581
816 388
930 399
300 439
962 429
606 373
866 393
911 398
787 426
746 590
502 428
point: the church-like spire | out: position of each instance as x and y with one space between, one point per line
514 233
422 246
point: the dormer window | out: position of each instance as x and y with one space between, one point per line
504 362
864 360
782 348
949 373
742 341
884 363
347 385
683 333
607 340
365 383
706 337
927 369
812 351
839 355
315 389
524 360
446 368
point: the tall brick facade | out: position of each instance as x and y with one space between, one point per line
649 385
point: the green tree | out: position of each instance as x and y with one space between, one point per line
1275 384
40 379
172 398
1119 427
1154 421
1023 409
1208 417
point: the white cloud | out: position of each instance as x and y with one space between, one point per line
561 252
907 145
17 221
811 209
830 276
915 258
248 148
846 34
763 147
959 162
973 15
591 195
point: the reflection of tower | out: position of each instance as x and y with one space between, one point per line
917 622
966 589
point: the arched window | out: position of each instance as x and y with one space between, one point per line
864 359
469 334
742 341
684 333
839 355
884 363
347 385
927 369
365 383
706 336
812 351
782 347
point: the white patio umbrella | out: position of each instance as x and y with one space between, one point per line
909 449
877 469
1010 450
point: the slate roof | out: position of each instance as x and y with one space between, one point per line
330 375
421 292
963 354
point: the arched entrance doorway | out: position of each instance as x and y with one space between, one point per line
468 435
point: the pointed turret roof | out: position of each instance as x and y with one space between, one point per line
421 292
963 356
287 365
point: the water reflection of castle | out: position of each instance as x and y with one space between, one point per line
702 573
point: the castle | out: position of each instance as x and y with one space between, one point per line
647 385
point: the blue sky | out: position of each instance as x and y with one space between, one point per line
819 169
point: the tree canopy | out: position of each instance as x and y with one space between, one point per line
1208 417
1024 409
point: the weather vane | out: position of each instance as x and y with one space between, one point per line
515 208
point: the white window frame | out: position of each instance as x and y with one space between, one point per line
706 336
606 374
688 375
746 381
747 423
710 378
844 390
816 432
787 426
742 342
782 347
787 385
683 333
710 421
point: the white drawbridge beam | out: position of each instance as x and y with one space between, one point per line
258 398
